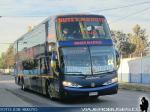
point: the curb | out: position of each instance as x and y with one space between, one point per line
135 87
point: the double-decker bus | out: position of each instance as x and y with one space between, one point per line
67 56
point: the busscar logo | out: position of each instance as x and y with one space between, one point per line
92 84
144 105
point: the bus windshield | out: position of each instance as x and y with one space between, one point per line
103 59
88 60
81 28
76 60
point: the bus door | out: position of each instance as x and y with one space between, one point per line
41 70
43 73
55 73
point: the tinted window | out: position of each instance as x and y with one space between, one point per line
76 60
80 28
103 59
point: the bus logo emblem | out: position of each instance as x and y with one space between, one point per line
92 84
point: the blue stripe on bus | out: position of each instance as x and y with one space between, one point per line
85 42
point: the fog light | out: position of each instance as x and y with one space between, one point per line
111 81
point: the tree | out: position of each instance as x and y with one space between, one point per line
118 38
140 39
7 58
122 43
1 63
133 43
127 48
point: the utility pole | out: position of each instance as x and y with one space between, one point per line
141 67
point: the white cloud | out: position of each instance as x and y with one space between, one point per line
12 28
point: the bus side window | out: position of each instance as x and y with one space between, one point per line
35 66
41 66
46 67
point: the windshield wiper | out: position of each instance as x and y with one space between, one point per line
102 71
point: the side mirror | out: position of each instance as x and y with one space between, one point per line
53 64
54 60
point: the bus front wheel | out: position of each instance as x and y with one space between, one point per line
49 90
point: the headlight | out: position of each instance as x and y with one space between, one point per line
111 81
70 84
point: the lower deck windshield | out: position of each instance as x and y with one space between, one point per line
88 60
76 60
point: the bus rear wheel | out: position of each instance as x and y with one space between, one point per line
17 80
22 85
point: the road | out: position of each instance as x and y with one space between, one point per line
12 95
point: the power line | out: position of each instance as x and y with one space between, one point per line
125 6
106 9
133 14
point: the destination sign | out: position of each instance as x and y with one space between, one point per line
60 20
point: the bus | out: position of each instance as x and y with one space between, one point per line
68 56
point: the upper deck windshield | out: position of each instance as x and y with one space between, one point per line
82 28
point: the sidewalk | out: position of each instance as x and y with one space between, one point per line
134 86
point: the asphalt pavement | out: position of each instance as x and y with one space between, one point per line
12 95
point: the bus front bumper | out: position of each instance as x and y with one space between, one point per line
103 90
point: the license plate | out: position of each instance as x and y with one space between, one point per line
93 93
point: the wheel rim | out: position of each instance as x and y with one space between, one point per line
50 91
22 86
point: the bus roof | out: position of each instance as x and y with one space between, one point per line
56 16
85 14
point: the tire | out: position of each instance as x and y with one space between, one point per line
49 90
22 85
16 80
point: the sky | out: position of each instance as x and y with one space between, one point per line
18 15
